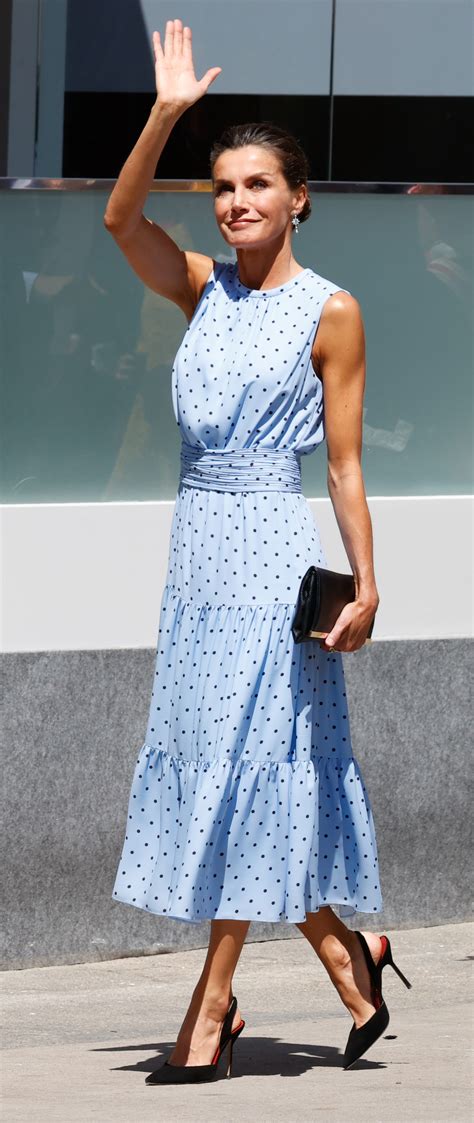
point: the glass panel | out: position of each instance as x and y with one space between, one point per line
86 350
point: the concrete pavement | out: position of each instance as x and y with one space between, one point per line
79 1040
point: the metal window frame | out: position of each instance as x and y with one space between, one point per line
321 187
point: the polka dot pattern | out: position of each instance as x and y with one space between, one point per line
246 800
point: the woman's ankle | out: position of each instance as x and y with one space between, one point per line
210 1002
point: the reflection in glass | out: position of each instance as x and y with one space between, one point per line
86 351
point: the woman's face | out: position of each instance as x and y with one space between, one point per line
253 203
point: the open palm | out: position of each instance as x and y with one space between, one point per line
176 82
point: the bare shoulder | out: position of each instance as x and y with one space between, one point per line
341 328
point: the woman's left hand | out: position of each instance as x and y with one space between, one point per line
351 627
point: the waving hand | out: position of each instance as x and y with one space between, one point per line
176 82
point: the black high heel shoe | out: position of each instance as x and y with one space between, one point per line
361 1039
195 1074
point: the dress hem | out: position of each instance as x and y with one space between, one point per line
201 837
346 910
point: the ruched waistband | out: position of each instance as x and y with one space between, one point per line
242 469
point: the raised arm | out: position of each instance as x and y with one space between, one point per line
177 274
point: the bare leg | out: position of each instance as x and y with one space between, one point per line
199 1034
339 950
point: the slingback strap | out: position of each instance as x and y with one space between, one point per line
225 1033
372 968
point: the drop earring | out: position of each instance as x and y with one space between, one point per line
296 221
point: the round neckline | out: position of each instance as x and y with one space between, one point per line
266 292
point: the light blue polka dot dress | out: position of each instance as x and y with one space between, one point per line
246 801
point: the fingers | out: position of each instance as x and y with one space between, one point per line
174 58
210 76
178 38
187 43
174 38
169 38
157 46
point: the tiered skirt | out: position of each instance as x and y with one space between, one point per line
246 800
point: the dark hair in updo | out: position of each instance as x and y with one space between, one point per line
293 160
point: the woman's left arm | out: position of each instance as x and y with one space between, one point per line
339 359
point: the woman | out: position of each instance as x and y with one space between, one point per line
246 801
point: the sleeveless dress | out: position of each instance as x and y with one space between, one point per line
246 800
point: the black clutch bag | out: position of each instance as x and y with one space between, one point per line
321 599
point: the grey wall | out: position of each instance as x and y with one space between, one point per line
381 47
73 723
416 47
421 48
263 46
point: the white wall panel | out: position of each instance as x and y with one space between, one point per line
90 576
